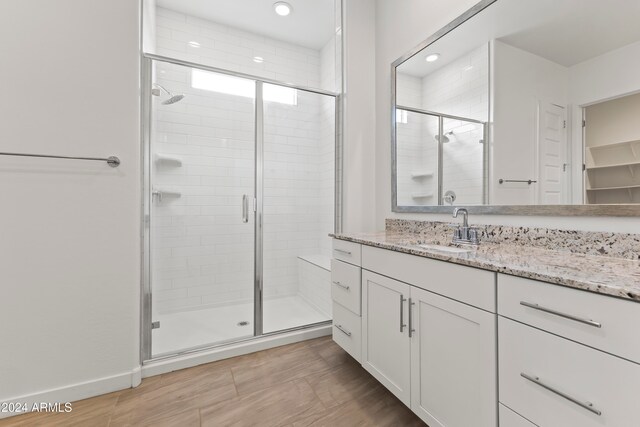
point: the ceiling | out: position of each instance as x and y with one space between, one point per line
566 32
311 23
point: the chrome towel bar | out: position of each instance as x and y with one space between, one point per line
112 161
528 181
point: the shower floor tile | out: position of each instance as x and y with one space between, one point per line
184 330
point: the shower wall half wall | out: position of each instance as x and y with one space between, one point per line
200 258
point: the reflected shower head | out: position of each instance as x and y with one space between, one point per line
445 138
172 98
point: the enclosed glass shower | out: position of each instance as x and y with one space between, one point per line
239 199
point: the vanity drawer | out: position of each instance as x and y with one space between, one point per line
347 331
558 366
599 321
346 285
466 284
508 418
347 251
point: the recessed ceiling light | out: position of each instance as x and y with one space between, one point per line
282 8
468 68
194 44
258 59
432 57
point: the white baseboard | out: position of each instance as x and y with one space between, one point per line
78 391
207 356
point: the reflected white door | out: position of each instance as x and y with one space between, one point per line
552 165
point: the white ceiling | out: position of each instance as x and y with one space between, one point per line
311 24
564 31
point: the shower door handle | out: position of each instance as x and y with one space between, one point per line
245 208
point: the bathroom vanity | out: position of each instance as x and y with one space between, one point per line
502 334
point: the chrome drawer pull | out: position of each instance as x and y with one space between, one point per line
344 331
342 251
586 405
345 287
566 316
402 300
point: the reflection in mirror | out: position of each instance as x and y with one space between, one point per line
528 102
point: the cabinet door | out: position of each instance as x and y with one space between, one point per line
386 348
453 362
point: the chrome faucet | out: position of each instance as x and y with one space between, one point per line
464 234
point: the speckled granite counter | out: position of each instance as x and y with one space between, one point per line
601 274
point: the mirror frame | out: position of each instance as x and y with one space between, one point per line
542 210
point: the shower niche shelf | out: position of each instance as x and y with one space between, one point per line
162 159
421 174
421 195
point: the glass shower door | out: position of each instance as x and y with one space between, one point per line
201 208
298 207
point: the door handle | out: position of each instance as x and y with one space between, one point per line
402 324
245 208
411 330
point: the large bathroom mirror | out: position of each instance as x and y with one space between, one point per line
522 106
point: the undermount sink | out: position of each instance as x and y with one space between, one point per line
449 249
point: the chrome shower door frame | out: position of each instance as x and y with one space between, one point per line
258 202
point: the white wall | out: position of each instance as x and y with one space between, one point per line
69 230
521 79
399 27
359 187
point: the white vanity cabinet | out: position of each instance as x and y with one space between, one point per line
453 362
386 347
436 354
567 357
346 295
444 338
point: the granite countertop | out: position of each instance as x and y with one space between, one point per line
604 275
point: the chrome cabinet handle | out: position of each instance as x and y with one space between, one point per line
342 251
345 287
586 405
344 331
566 316
402 324
245 208
411 330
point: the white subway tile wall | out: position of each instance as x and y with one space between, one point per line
233 49
203 253
459 88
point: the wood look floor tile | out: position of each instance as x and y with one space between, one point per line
378 407
95 411
176 392
274 406
277 368
331 352
311 383
341 384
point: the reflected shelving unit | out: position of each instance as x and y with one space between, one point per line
613 173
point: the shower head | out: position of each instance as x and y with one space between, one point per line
444 139
172 98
